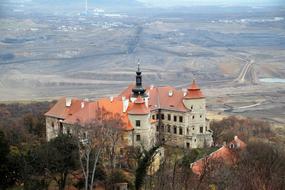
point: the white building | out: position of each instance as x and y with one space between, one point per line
155 114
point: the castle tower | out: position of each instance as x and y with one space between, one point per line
139 116
138 89
194 99
195 102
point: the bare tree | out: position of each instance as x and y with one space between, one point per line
99 136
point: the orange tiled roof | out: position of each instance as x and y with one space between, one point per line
166 97
194 92
89 112
138 107
225 153
60 110
127 92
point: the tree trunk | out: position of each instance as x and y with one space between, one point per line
94 168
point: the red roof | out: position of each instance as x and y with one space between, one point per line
194 92
138 107
127 92
60 110
166 97
226 153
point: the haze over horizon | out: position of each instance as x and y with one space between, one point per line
170 3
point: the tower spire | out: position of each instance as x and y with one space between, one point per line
139 65
138 89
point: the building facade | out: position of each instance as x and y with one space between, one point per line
149 115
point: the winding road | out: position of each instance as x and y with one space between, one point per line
246 70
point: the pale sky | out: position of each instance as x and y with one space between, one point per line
213 2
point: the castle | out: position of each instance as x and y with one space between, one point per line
163 113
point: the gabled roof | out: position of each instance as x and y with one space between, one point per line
89 112
127 92
166 97
227 154
60 110
194 92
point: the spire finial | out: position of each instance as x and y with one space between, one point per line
139 65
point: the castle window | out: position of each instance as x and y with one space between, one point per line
85 135
191 107
138 137
180 119
201 129
188 145
169 117
138 123
60 128
162 116
168 129
153 117
193 127
200 116
180 131
162 127
175 130
175 118
193 117
157 116
157 128
68 131
52 124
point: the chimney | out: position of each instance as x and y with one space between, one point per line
68 102
111 98
146 102
82 105
125 105
184 90
170 93
151 87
